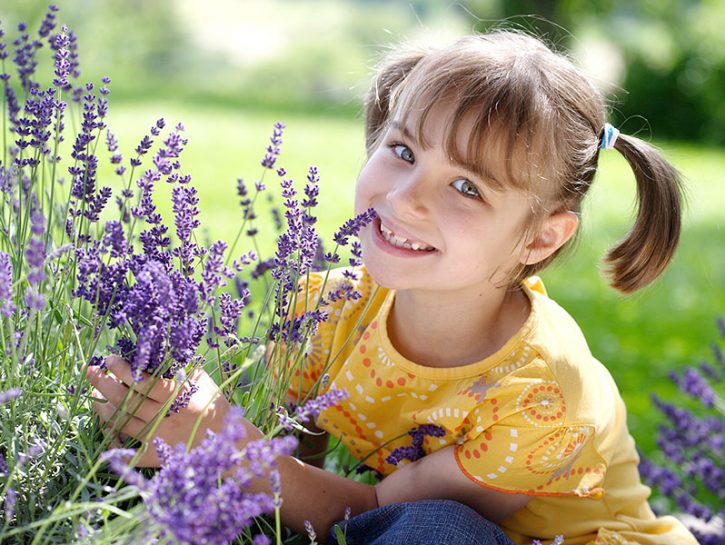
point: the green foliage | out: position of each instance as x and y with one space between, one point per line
673 50
286 55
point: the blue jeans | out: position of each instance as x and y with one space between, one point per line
438 522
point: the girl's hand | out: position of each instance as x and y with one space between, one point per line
132 408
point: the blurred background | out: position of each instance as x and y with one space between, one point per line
229 69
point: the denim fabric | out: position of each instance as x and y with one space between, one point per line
435 522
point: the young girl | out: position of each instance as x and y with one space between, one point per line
479 155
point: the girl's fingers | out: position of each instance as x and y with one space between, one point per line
117 422
117 439
110 388
155 388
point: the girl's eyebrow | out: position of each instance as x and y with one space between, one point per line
403 130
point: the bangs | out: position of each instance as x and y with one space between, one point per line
509 120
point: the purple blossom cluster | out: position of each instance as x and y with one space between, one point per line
7 306
273 149
415 451
33 128
160 308
146 287
691 444
154 295
312 408
35 260
87 202
205 495
8 395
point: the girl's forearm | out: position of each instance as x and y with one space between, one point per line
311 493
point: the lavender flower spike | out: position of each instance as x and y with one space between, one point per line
7 307
314 407
273 149
62 62
203 496
353 226
11 498
9 395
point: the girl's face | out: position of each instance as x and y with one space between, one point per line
439 226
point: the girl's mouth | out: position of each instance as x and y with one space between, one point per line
401 242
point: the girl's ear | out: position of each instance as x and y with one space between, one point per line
555 231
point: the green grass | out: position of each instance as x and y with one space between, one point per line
640 338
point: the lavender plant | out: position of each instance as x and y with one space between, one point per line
80 279
689 474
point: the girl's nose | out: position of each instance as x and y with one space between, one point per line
410 199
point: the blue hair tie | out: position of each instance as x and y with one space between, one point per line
609 137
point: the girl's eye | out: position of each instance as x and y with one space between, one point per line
403 152
467 188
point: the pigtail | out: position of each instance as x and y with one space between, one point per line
390 74
649 246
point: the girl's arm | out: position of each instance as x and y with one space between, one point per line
309 493
313 446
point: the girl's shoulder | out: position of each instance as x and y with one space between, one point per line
554 334
562 356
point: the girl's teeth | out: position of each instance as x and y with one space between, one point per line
400 242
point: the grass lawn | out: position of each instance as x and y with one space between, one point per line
640 338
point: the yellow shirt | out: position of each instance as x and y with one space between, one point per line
541 416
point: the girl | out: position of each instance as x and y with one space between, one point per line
479 155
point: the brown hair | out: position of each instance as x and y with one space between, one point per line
533 107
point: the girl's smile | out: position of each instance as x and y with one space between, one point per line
392 239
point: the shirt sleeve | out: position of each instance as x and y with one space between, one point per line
540 461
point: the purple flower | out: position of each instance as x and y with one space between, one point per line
11 498
9 395
33 128
310 531
353 226
229 312
185 209
114 239
62 61
314 407
35 252
48 23
203 496
356 251
160 307
692 441
24 59
692 383
274 147
415 451
119 460
183 398
312 190
6 285
666 480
